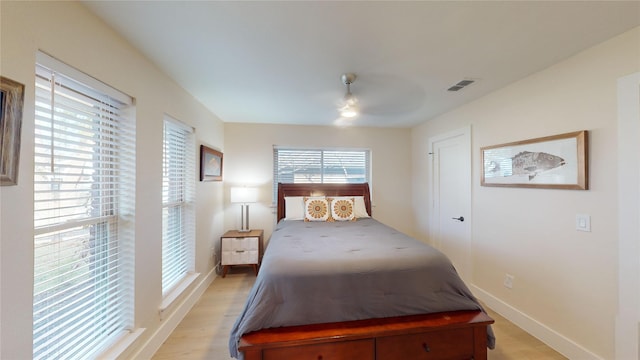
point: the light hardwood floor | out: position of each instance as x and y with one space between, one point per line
204 332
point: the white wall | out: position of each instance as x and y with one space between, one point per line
67 31
248 159
565 286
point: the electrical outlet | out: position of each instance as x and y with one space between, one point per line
508 281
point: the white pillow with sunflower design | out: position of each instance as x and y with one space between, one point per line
316 209
342 209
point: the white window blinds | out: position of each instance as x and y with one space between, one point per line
178 195
320 166
84 170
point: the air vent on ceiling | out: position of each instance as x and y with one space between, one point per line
460 85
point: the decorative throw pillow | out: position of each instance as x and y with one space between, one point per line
316 209
360 208
342 209
294 207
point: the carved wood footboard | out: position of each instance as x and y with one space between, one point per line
448 335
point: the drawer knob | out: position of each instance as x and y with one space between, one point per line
319 357
426 347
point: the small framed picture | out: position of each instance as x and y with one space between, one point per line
11 102
210 164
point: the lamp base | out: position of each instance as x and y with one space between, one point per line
244 218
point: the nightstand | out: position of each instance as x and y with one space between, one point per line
241 248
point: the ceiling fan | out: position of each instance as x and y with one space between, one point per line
379 95
348 108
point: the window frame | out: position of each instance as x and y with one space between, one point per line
322 150
185 206
84 201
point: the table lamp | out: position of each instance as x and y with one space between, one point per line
244 196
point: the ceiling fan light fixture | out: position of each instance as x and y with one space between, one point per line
350 108
349 111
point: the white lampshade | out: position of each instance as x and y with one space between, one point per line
244 195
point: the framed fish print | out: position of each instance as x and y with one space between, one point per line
210 164
552 162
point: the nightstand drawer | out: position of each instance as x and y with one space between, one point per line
240 251
239 257
240 243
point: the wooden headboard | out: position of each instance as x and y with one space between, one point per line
320 190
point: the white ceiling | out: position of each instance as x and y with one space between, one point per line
280 62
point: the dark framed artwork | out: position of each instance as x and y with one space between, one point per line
210 164
11 102
552 162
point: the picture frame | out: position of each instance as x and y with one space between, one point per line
210 164
551 162
11 103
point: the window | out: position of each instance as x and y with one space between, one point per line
84 169
178 188
320 166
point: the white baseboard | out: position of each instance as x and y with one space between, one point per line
553 339
169 323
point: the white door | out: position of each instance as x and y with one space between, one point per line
628 317
451 193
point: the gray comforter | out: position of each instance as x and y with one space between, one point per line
318 272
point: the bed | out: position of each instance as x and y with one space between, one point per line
355 290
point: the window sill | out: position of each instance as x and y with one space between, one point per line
121 344
171 297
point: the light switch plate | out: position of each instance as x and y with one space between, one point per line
583 222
